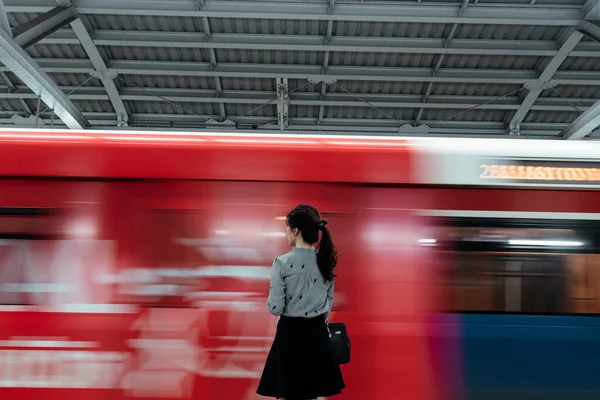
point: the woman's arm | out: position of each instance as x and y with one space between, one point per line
330 299
276 301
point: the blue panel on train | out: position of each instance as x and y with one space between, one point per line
531 357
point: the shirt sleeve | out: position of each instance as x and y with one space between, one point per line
330 298
276 301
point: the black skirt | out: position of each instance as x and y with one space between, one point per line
300 364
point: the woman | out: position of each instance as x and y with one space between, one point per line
300 364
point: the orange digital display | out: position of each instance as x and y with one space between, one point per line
540 173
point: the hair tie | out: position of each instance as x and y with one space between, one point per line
322 224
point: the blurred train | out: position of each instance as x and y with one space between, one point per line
135 265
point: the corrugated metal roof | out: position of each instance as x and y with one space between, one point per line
359 87
11 106
465 89
75 80
382 59
41 50
145 23
552 117
246 72
490 62
269 57
160 81
440 116
100 106
509 32
154 53
268 110
13 79
390 29
16 19
581 64
441 31
249 84
264 26
158 107
304 111
573 92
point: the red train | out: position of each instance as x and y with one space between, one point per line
135 264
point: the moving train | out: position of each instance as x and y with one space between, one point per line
135 265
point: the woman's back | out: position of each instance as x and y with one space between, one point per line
298 288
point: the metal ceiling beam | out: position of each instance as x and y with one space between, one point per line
331 99
45 24
572 38
10 89
303 72
349 123
591 29
307 124
213 60
584 124
325 43
394 12
101 70
328 37
543 82
591 9
25 68
4 24
440 60
283 103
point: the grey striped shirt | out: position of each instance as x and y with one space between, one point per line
297 286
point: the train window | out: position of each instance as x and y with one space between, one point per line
20 227
206 258
534 267
24 223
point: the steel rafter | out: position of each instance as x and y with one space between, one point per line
584 124
10 89
4 23
45 24
283 103
591 29
338 72
253 97
589 120
440 60
396 12
326 43
543 82
310 124
24 67
571 40
101 71
213 60
213 37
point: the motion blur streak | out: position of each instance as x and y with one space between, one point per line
144 275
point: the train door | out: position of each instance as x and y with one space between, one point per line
526 293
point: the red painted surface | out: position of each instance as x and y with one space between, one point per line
262 158
232 228
207 247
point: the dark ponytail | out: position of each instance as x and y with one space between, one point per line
308 220
327 254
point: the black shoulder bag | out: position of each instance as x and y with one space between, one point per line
340 342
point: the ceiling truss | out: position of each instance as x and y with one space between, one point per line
283 102
17 61
397 12
101 71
